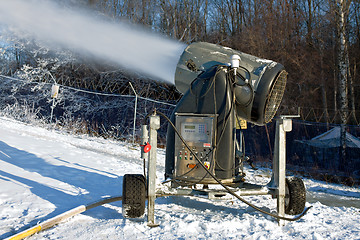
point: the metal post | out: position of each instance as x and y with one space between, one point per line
144 140
283 125
134 125
52 109
54 95
154 126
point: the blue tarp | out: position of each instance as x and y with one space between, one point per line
331 139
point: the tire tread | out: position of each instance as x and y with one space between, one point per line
134 194
297 196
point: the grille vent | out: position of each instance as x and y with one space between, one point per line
275 96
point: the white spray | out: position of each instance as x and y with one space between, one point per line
130 46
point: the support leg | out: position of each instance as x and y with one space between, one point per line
279 163
154 126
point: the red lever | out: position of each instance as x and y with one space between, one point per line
147 147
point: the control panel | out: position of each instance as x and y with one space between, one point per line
198 132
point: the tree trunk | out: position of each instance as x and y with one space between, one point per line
343 60
323 84
352 94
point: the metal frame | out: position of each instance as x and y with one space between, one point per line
276 187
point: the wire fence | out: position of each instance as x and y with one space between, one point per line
317 158
120 117
321 115
79 110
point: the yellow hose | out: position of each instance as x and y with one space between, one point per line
26 233
59 218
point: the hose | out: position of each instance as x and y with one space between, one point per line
61 217
226 187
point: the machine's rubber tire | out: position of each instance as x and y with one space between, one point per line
134 194
295 197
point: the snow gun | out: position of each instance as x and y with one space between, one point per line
205 148
222 89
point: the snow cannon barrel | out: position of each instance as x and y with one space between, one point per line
258 84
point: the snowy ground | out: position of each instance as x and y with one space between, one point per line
44 173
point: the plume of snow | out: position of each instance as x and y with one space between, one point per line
133 47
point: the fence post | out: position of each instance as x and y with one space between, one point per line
134 125
54 95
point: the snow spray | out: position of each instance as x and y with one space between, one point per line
133 47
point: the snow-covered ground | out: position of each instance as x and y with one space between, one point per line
44 173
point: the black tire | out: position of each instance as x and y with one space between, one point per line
295 197
134 194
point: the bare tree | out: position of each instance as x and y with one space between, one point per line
342 7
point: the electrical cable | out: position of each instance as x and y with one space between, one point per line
224 124
177 178
226 187
226 118
246 83
229 83
246 70
243 142
219 68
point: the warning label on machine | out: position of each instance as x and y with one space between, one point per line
206 145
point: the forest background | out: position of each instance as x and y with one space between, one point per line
303 35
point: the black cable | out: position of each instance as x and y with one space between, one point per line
206 174
226 187
246 70
144 162
147 116
246 83
219 68
178 177
227 116
103 201
242 138
225 120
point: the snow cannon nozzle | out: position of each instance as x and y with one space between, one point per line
259 83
